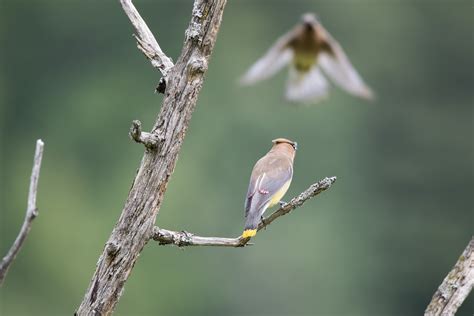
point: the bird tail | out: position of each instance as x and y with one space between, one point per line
249 233
306 86
251 225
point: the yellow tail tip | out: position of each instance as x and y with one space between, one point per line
249 233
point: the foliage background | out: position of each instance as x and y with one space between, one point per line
378 243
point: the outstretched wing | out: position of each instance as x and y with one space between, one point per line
278 56
337 66
269 176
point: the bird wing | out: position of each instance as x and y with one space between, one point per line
337 66
306 87
269 175
277 56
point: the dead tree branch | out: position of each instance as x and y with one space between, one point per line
146 42
31 213
183 238
455 287
134 228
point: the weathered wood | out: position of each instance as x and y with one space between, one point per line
31 213
183 238
150 140
146 42
455 287
135 225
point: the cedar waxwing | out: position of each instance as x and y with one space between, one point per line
309 48
270 179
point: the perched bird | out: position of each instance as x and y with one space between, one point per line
270 179
308 49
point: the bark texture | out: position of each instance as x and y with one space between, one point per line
455 287
135 225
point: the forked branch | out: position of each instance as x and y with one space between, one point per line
183 238
31 213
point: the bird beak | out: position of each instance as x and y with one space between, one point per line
295 145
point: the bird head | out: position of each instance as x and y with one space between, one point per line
309 20
279 141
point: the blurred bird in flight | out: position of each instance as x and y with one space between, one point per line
310 51
270 179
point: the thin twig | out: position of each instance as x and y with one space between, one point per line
31 213
146 42
455 287
183 238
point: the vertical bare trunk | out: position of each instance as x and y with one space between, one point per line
135 225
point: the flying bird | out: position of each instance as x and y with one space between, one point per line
270 179
312 55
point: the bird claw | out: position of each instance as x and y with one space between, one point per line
262 219
282 203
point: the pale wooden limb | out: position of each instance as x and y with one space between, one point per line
455 287
31 213
146 42
183 238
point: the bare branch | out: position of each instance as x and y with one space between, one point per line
455 287
150 140
181 239
146 42
31 213
311 192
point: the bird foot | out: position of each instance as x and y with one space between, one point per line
262 219
282 203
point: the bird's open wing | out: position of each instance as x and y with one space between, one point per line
278 56
337 66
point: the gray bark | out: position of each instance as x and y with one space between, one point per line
31 213
135 225
455 287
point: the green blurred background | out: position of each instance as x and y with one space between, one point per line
378 243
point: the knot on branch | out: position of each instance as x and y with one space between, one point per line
150 140
166 237
112 248
197 66
193 33
183 239
34 212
